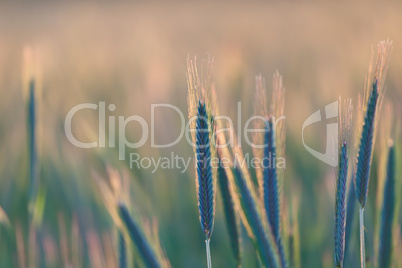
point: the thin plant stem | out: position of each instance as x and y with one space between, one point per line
208 253
362 250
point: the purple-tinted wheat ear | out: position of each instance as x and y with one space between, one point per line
367 138
204 172
270 188
340 202
363 165
345 124
201 107
205 189
365 149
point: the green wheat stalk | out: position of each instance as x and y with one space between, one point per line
387 214
231 218
264 242
122 250
32 148
139 239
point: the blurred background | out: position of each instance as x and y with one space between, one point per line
134 55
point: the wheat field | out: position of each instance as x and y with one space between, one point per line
64 206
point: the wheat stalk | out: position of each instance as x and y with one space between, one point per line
367 139
32 148
199 100
270 188
272 141
139 239
365 149
204 172
122 250
350 212
231 218
205 187
264 242
340 211
345 123
387 214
